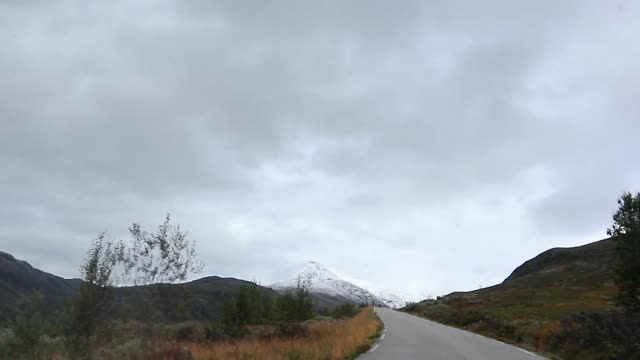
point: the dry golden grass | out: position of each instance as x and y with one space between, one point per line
329 339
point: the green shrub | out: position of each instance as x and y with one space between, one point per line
27 331
43 347
251 307
295 305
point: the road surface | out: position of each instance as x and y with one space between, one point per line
409 337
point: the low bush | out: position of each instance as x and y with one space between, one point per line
599 335
215 332
20 346
344 311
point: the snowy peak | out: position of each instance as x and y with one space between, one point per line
315 270
319 279
392 300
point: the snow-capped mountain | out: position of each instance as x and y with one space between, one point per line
392 300
321 280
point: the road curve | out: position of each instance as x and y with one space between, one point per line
409 337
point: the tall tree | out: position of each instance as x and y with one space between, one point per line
626 233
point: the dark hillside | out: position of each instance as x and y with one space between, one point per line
204 298
587 265
18 279
208 294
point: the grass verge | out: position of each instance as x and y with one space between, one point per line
328 339
372 338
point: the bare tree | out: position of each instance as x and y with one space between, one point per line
167 256
158 259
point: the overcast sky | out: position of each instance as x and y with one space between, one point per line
419 147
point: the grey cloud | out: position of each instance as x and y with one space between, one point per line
293 130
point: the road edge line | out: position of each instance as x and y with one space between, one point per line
382 334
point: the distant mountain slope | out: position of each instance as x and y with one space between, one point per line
328 286
392 300
205 298
206 295
583 267
587 265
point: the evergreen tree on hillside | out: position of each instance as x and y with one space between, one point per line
230 316
297 304
626 233
249 306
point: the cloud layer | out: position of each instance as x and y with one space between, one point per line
422 148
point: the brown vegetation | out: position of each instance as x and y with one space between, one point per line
327 339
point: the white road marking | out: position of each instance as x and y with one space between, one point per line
384 332
526 352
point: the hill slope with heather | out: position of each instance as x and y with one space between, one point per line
543 301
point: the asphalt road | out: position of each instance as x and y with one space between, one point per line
409 337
